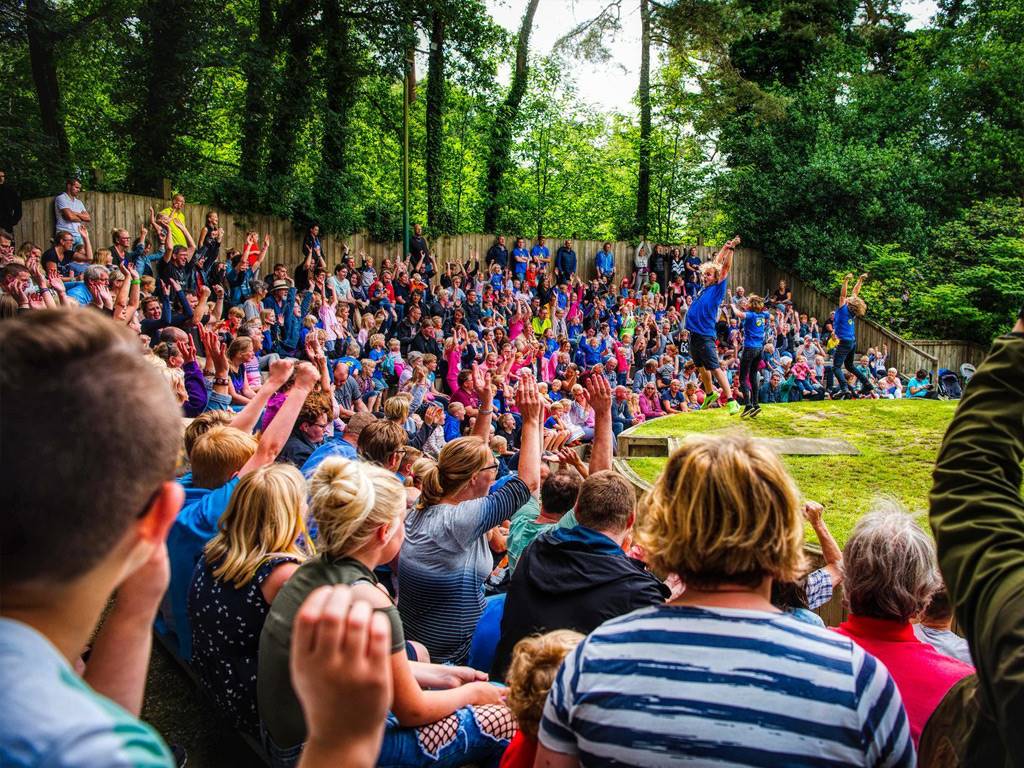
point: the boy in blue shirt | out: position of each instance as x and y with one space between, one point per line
72 534
846 331
701 319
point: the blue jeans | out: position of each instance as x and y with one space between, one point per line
843 357
456 740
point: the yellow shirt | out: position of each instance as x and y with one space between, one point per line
177 236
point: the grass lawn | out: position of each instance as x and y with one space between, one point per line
898 441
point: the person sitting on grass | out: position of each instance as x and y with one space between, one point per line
700 322
919 386
359 510
261 540
725 517
535 660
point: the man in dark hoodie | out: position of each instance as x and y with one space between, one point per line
578 578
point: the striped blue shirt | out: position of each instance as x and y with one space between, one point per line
670 685
442 567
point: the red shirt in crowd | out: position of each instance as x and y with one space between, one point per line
520 752
922 674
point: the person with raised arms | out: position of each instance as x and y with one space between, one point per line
700 322
850 307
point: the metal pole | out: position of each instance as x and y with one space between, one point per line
405 157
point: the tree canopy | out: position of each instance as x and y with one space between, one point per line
825 132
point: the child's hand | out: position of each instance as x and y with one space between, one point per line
341 672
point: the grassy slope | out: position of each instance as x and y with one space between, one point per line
898 441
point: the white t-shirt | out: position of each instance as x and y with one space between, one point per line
75 205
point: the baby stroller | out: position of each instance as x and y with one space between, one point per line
949 385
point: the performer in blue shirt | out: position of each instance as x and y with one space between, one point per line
755 322
700 322
843 322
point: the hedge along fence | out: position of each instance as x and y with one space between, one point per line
750 269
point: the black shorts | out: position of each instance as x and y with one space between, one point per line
704 352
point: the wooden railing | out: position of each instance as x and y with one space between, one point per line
750 269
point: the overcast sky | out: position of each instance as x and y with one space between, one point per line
611 85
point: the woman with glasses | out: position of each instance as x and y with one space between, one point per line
445 557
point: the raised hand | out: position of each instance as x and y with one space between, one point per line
175 285
813 512
527 398
306 376
482 386
280 371
600 393
341 671
187 349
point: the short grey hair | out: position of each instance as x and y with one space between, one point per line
95 272
890 565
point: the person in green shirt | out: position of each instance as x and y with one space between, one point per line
558 494
977 516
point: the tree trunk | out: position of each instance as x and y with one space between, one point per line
166 80
259 72
342 74
437 218
500 149
39 24
643 181
293 105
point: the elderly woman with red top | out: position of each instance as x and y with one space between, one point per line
891 574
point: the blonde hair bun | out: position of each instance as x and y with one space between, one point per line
350 500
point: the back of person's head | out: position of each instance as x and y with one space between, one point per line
857 305
606 502
396 409
356 424
202 424
889 565
63 513
350 501
724 511
218 455
265 518
756 303
456 465
939 609
535 662
559 491
380 441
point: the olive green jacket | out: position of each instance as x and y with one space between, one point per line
978 518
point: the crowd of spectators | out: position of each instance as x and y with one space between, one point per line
374 516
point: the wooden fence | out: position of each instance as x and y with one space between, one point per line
750 269
953 354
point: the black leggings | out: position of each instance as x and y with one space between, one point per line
750 361
842 358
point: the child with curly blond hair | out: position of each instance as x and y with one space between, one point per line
535 660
